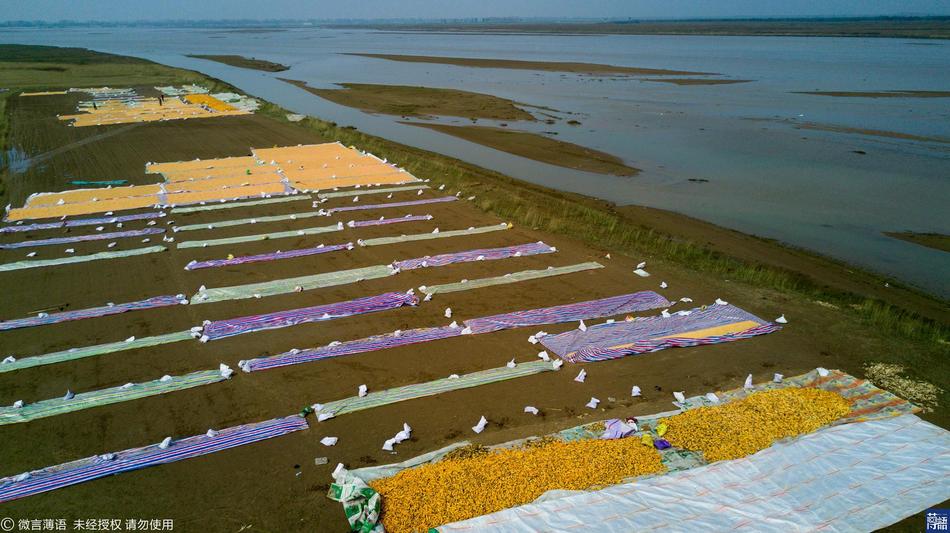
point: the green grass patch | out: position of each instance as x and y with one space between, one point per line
29 68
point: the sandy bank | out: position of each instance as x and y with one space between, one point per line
550 66
410 101
937 241
538 148
879 94
243 62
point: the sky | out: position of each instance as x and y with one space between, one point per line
119 10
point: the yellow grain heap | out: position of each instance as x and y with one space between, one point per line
208 100
743 427
420 498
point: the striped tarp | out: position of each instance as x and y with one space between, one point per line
281 319
709 325
114 219
604 307
38 263
89 351
337 349
32 227
289 285
548 315
431 388
513 277
383 220
92 312
270 256
261 237
392 204
426 236
66 474
243 221
343 277
361 192
81 238
82 222
483 254
231 205
124 393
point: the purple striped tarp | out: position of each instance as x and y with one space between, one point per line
604 307
112 220
270 256
649 334
281 319
382 221
79 314
392 204
32 227
548 315
593 353
80 238
337 349
533 248
97 466
81 222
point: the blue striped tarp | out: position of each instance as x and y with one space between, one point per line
604 307
650 334
97 466
392 204
92 312
81 238
547 315
282 319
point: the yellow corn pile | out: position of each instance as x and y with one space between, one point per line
208 100
743 427
470 485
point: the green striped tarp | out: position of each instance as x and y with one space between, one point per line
514 277
289 285
426 236
20 265
430 388
361 192
129 391
261 237
253 220
231 205
89 351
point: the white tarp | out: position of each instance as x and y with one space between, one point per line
853 477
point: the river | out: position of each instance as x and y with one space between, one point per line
831 192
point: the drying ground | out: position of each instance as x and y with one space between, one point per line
839 318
